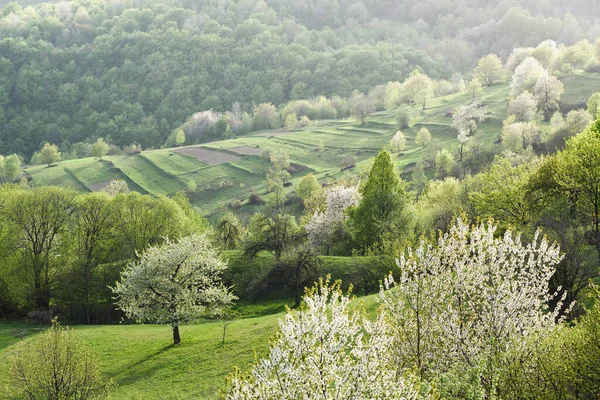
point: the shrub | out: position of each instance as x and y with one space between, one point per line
132 149
255 199
593 65
403 117
56 365
113 150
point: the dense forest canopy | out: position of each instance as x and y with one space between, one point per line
132 71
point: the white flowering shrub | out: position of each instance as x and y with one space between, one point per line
326 351
469 299
324 228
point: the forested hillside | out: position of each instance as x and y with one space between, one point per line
132 71
180 178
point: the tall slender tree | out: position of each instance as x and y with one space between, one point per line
381 213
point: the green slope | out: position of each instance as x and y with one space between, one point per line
319 149
142 362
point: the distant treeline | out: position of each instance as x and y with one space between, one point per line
133 71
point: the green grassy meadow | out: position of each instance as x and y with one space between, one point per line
143 363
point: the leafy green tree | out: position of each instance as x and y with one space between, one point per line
49 154
173 283
291 121
423 137
503 194
474 86
298 266
40 219
10 168
229 231
558 365
142 221
489 70
272 233
381 213
438 205
56 365
403 116
577 121
593 104
99 149
179 137
417 89
444 163
361 106
93 223
310 191
265 116
577 170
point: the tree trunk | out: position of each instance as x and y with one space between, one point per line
176 338
597 231
87 297
297 298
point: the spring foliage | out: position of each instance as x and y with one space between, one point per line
56 365
175 282
325 351
469 299
462 304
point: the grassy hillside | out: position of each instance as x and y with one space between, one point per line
144 365
227 170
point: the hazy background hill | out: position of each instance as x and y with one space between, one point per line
132 71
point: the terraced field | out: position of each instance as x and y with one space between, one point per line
223 173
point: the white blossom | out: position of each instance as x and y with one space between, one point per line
325 227
465 121
526 76
470 298
325 351
173 282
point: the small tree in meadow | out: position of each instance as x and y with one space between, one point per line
49 154
423 137
172 283
115 187
56 365
179 137
398 142
475 86
361 107
99 149
403 116
291 121
192 186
